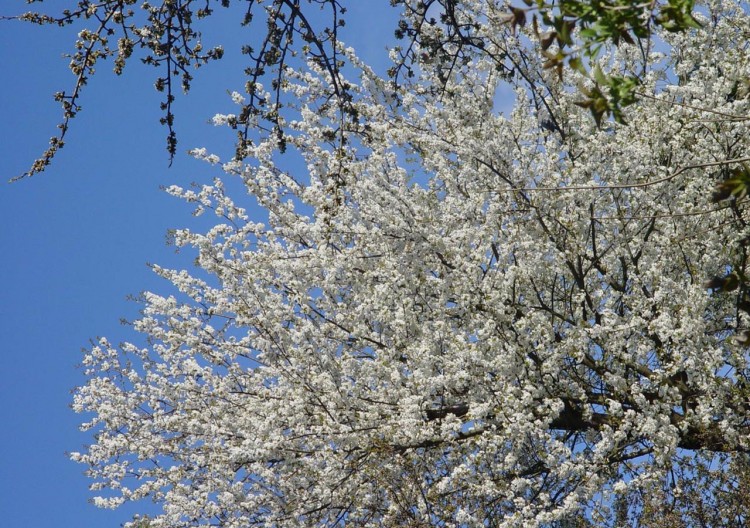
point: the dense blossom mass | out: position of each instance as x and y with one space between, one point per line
470 304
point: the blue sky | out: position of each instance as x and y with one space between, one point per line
75 240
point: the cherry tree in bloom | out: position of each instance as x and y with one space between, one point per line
459 311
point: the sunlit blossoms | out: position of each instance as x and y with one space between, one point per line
468 305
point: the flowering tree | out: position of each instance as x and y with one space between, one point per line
453 315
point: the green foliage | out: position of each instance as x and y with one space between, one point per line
736 186
620 92
579 29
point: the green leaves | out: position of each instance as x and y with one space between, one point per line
580 28
736 186
596 102
620 92
677 15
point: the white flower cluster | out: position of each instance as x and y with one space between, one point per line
452 317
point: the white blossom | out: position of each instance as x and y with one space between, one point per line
452 315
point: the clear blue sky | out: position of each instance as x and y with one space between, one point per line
75 240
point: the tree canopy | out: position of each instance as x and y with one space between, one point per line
453 315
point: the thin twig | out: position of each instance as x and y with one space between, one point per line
672 215
624 185
733 117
